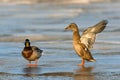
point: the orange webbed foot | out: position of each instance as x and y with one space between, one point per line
82 64
32 65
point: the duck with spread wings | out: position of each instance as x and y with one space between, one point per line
83 43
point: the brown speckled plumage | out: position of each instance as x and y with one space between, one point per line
83 43
27 52
31 53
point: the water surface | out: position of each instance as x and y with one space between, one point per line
43 23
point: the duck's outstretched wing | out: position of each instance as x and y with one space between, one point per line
89 35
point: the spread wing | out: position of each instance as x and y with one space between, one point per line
89 35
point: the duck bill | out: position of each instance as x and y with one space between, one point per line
67 28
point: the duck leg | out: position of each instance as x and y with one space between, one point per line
33 65
29 64
36 62
82 63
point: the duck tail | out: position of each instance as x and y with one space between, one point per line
93 60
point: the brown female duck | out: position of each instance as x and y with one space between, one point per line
83 43
31 53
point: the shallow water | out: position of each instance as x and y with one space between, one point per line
44 23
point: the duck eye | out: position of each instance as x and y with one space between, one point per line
27 40
70 26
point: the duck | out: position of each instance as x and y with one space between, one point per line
31 53
83 43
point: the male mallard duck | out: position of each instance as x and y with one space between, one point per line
83 43
31 53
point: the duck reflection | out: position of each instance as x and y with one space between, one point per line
31 71
84 73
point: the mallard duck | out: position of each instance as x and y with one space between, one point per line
83 43
31 53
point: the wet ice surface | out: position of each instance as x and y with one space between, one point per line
59 62
44 25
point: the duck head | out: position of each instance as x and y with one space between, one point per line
27 43
72 27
